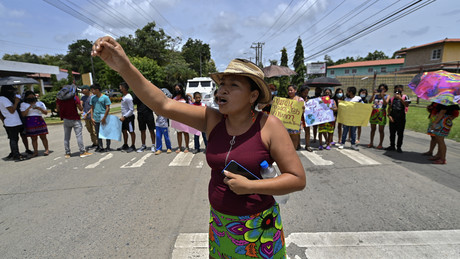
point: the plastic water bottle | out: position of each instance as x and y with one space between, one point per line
267 172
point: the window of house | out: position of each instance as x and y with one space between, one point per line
353 71
370 70
436 54
332 72
347 71
383 69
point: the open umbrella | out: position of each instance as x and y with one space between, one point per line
277 71
323 82
15 80
437 86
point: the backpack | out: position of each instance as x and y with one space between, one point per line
67 92
406 109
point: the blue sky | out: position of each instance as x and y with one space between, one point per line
230 27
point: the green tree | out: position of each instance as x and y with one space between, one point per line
328 60
49 99
178 70
152 44
376 55
283 81
79 56
284 57
299 64
197 54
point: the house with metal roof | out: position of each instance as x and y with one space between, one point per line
442 54
366 68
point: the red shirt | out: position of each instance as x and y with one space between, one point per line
68 108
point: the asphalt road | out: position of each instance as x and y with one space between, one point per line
138 205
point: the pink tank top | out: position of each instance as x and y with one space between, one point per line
249 151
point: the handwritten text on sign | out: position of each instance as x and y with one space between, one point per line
288 111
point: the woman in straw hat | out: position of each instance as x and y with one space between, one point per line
245 219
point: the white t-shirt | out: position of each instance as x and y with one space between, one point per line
11 119
356 99
33 112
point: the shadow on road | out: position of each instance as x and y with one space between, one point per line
409 156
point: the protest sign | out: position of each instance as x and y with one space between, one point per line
288 111
111 129
318 112
354 114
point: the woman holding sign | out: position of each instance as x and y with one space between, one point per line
294 134
244 218
326 130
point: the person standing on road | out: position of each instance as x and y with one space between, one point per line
294 134
397 110
351 97
86 103
379 114
197 102
127 119
145 119
441 117
68 112
179 95
32 110
11 121
245 220
326 130
363 94
338 96
303 92
100 108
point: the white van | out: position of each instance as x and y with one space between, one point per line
205 86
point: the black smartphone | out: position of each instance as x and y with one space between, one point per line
236 168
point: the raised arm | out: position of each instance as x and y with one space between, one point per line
113 54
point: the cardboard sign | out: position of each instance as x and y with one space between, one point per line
317 112
354 114
288 111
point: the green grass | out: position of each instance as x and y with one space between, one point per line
57 120
417 120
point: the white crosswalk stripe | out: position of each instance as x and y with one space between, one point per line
383 244
315 158
138 163
359 157
182 159
94 165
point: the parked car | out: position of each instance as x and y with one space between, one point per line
112 93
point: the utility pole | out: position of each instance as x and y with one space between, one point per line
258 47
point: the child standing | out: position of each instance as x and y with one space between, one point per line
197 98
161 125
351 97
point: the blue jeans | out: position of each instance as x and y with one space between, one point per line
352 130
162 132
197 140
77 127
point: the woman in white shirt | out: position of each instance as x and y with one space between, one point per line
35 125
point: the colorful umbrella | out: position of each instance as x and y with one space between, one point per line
438 86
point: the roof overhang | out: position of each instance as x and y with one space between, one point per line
14 68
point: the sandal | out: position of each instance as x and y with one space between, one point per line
308 149
370 146
178 150
46 153
379 147
35 154
434 158
186 150
439 162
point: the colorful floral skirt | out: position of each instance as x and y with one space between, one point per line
378 116
253 236
35 125
327 127
442 128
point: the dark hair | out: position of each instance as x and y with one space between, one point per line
254 87
181 92
399 86
26 93
293 86
363 90
352 89
196 93
384 86
336 92
124 85
28 100
96 86
8 92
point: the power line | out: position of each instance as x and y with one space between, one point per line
178 33
381 23
271 27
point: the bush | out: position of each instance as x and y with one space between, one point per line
115 99
49 99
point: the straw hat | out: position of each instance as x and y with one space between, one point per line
245 67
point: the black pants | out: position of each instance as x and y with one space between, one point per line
13 135
397 127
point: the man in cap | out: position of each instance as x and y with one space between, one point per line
85 102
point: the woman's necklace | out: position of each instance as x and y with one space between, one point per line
232 142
